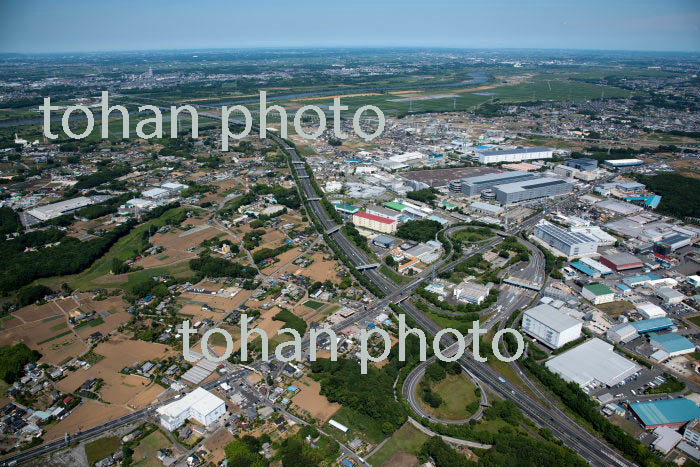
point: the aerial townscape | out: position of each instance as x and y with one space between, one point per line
549 198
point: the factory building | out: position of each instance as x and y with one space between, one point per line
598 293
649 311
531 189
583 164
513 155
156 193
471 292
472 186
670 296
592 364
616 163
618 261
374 222
670 345
665 412
570 244
651 325
550 326
51 211
383 212
199 405
346 208
623 332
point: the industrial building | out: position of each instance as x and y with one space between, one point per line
383 212
593 363
570 244
550 326
618 261
346 208
623 162
396 206
199 405
598 293
603 238
670 296
513 155
665 412
651 325
51 211
383 241
531 189
597 265
676 241
670 345
156 193
472 186
623 332
374 222
472 292
583 164
649 311
666 439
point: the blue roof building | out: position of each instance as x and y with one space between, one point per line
587 270
665 412
651 325
673 344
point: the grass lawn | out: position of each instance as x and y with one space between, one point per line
393 275
456 391
407 439
472 234
695 320
314 305
145 452
615 309
360 425
103 447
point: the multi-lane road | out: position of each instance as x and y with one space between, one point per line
572 434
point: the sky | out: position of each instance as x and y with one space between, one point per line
31 26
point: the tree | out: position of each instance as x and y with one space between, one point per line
419 231
435 372
12 361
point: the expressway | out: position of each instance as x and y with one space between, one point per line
572 434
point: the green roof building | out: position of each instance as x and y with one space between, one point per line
346 208
395 206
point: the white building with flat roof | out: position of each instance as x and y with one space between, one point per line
593 363
514 155
199 405
51 211
550 326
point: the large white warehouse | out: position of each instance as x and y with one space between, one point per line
514 155
199 405
50 211
550 326
593 363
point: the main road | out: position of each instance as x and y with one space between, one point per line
572 434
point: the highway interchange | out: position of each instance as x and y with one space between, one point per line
572 434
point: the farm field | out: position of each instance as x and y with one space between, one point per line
309 399
401 449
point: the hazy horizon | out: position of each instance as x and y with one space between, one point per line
78 26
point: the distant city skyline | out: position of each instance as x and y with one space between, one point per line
36 26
